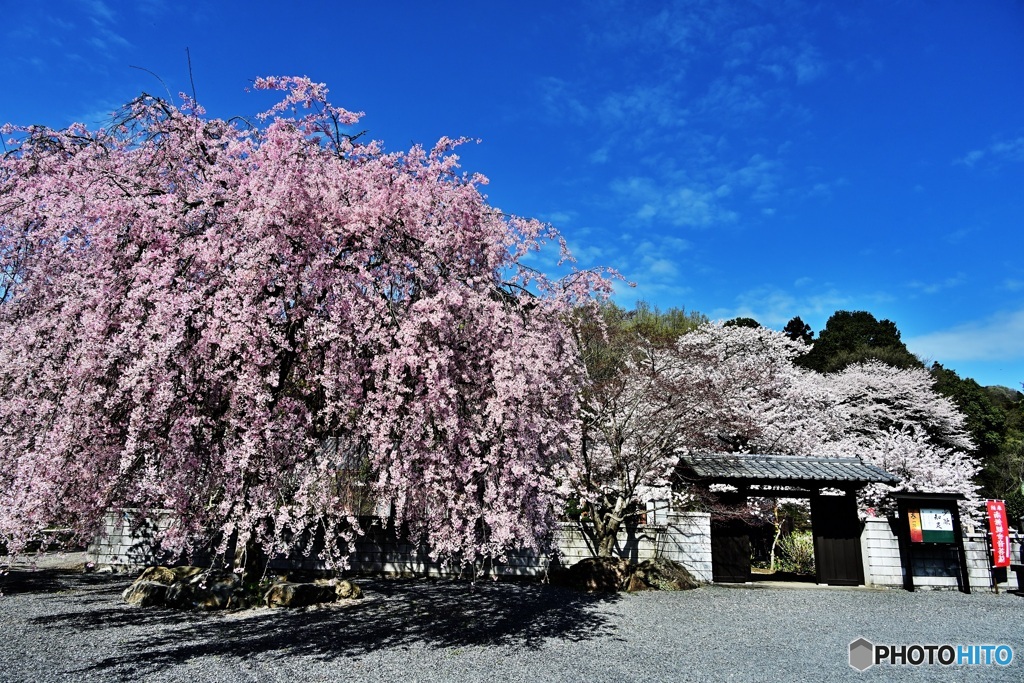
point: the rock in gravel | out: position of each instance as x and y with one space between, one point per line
612 574
596 574
184 588
299 594
661 574
213 589
146 594
346 590
343 588
169 575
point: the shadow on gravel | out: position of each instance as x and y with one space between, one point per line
19 581
394 614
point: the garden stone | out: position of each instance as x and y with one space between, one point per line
146 594
346 590
661 574
299 594
596 574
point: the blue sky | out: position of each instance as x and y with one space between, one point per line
764 159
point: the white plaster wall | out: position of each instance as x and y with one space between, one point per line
882 567
684 537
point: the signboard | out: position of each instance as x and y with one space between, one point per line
1000 533
930 529
931 525
937 525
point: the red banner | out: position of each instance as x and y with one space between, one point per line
1000 533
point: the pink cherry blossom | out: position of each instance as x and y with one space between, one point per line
260 329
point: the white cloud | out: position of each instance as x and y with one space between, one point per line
785 63
1013 285
761 176
815 303
100 113
936 287
972 157
152 7
695 207
108 40
774 307
734 97
1012 150
661 267
825 189
658 266
958 236
1000 337
674 243
698 207
559 219
998 151
587 255
99 11
642 106
808 65
561 100
707 194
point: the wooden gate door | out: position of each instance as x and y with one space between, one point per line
837 532
730 551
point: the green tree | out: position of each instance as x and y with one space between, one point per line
661 327
608 334
855 337
797 330
1004 473
995 419
741 322
986 422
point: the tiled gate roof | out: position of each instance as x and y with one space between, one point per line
732 468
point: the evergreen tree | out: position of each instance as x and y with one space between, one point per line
857 337
797 330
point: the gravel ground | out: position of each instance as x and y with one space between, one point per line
61 625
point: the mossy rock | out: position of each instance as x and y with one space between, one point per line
169 575
612 574
661 574
146 594
595 575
